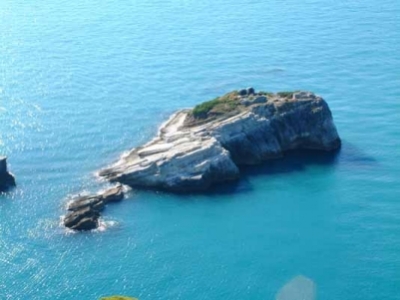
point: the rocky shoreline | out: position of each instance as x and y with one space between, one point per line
200 147
7 180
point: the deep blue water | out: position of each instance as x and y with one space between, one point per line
83 81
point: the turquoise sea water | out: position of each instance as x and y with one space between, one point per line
83 81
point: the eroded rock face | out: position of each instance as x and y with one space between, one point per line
267 130
7 180
189 157
84 211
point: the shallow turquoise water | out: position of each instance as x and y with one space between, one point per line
83 81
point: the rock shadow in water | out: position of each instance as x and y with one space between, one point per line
292 161
351 155
297 161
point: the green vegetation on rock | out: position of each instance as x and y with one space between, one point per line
203 108
230 103
118 298
219 105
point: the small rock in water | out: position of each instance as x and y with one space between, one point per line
86 218
85 210
7 180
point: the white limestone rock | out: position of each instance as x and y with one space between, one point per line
192 155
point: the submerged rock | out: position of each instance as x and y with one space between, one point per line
85 210
197 148
7 180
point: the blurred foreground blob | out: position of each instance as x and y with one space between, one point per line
299 288
118 298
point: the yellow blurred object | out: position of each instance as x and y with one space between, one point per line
118 298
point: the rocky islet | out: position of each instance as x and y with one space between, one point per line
200 147
7 180
84 211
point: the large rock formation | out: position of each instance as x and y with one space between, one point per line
7 180
197 148
84 211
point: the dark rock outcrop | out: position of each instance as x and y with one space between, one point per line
250 91
85 210
86 218
95 202
243 92
241 128
115 194
7 180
